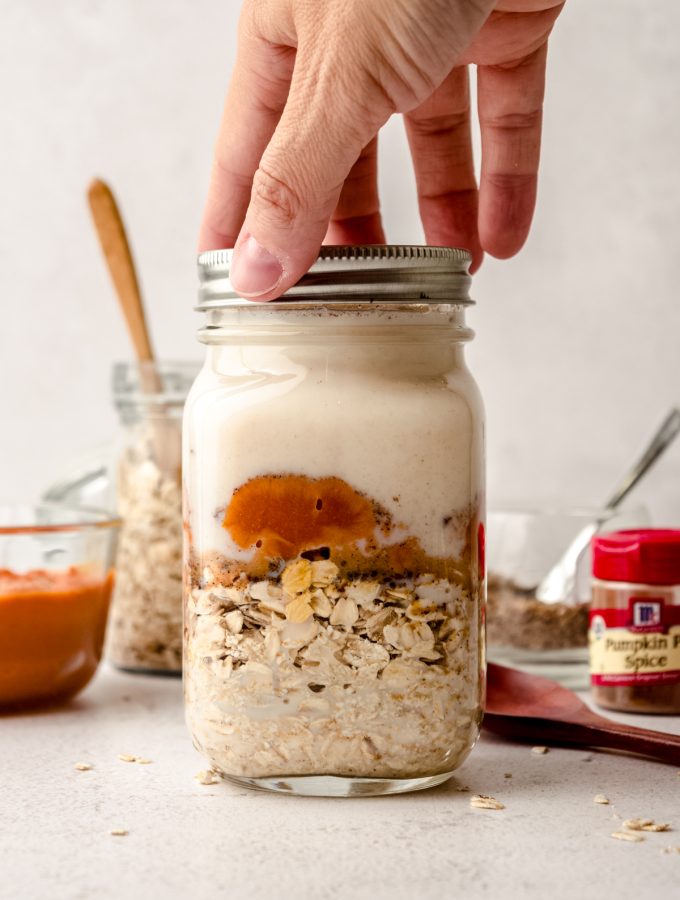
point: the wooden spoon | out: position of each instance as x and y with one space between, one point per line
116 249
530 708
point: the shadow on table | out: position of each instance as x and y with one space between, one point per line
109 689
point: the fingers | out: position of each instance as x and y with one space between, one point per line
302 112
257 95
440 140
356 219
334 109
510 103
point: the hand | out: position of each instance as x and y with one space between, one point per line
315 80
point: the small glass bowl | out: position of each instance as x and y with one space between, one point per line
524 543
56 575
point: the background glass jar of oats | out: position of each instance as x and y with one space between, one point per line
334 505
145 622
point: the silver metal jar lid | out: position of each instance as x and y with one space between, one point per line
342 274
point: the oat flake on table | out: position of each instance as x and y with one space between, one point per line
630 836
206 777
481 801
645 825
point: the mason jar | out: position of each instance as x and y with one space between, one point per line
334 509
145 622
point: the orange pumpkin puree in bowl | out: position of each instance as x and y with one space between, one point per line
52 626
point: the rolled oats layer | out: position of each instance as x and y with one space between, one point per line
315 672
145 622
333 645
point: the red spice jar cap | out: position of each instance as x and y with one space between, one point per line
649 556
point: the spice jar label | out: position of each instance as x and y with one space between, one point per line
639 644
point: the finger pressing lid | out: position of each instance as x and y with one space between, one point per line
341 274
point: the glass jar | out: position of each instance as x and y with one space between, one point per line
334 503
145 625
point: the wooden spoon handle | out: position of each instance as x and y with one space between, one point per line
613 736
114 244
617 736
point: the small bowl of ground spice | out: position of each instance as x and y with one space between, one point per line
56 575
523 544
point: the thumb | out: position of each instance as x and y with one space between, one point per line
321 133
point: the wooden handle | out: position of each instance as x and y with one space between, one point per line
618 736
612 736
114 244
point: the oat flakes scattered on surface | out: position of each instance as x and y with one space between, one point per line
206 776
127 757
83 767
481 801
646 825
670 849
120 832
637 824
631 836
143 762
539 750
600 798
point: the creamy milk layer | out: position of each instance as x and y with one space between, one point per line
397 422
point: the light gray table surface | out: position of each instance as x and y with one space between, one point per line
187 840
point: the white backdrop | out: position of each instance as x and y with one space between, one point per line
577 348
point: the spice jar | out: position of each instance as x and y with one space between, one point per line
145 624
634 632
334 496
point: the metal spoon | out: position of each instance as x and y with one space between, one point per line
558 585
